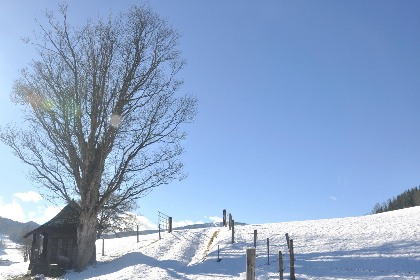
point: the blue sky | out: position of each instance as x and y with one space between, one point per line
307 109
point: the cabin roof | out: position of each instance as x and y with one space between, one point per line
66 219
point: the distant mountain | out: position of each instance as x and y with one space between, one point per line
14 229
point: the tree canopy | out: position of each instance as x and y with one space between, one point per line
102 109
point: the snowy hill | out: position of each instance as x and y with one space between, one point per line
381 246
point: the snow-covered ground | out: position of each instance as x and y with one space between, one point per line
381 246
11 259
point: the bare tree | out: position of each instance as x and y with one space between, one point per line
124 224
102 112
114 216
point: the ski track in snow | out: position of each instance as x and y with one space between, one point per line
381 246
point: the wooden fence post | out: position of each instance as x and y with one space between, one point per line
218 253
159 231
230 221
292 261
255 238
103 246
233 231
170 225
137 234
280 266
268 250
224 217
250 263
287 241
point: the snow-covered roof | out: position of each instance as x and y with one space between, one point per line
66 219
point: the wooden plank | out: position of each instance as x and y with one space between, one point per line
60 245
64 235
32 256
49 246
70 249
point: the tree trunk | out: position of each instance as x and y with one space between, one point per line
86 238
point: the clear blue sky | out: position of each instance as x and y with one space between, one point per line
308 109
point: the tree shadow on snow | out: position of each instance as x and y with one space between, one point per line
393 258
130 260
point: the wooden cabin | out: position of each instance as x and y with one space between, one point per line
54 244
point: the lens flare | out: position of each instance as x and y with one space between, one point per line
48 104
115 120
342 180
40 102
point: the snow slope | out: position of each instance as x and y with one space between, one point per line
381 246
11 260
